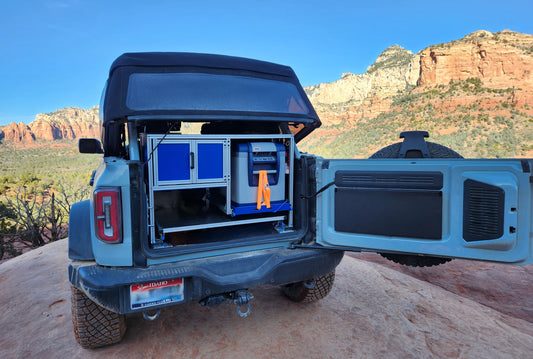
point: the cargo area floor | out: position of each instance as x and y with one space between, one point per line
213 235
169 221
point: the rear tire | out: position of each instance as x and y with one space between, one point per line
435 151
95 326
310 290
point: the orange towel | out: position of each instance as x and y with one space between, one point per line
263 190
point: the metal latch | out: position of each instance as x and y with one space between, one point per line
413 141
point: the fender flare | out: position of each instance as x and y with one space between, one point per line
79 232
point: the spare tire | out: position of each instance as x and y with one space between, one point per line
435 151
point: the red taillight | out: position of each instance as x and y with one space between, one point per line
107 210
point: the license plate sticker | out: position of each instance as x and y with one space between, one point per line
156 293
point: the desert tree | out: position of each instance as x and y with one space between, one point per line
7 233
28 209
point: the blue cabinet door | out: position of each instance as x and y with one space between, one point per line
210 161
173 162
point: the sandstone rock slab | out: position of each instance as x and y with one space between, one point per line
372 311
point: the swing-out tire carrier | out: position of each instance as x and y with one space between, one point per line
109 287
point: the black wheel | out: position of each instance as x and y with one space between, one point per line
435 151
95 326
310 290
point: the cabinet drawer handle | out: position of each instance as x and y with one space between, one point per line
192 160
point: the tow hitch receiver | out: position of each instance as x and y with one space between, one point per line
239 297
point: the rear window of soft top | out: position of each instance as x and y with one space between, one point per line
212 92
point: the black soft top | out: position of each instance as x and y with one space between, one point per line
171 59
116 112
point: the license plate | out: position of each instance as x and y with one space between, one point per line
156 293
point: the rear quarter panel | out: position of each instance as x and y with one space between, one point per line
114 172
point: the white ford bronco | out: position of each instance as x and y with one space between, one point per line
202 195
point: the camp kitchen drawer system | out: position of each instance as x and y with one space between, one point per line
238 179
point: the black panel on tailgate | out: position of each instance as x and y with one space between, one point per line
398 204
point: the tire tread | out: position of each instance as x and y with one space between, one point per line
95 326
300 293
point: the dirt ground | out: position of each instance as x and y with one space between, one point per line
373 311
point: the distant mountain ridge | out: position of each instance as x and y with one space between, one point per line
474 95
66 123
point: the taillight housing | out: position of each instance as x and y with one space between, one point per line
108 214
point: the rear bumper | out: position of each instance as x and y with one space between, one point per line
110 287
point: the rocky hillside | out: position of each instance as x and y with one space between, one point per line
66 123
394 71
474 95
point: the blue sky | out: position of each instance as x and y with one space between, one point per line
56 53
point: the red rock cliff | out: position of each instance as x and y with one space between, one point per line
66 123
501 60
18 133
